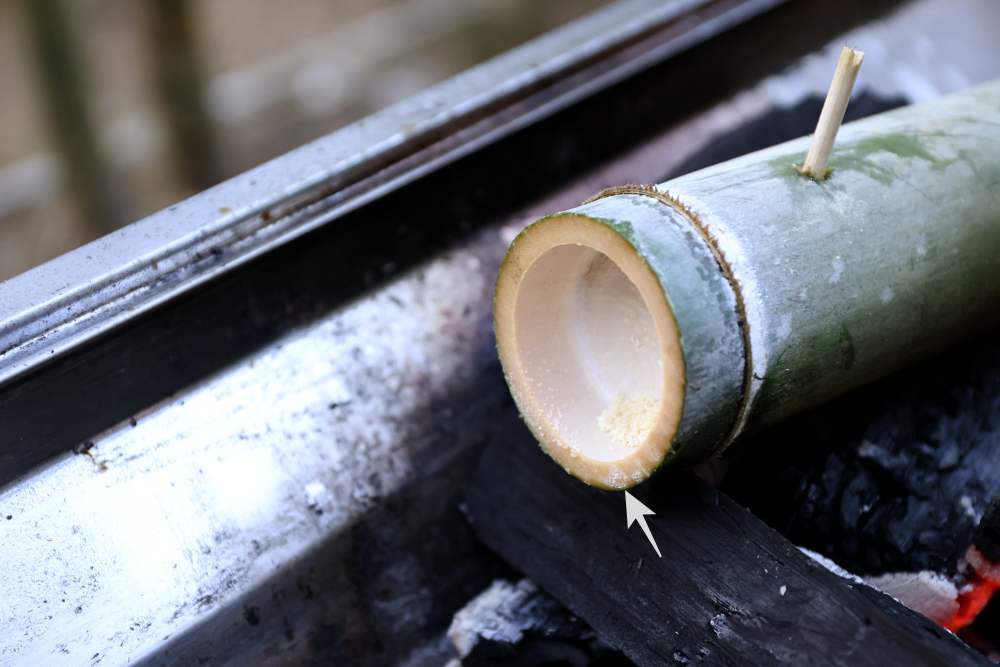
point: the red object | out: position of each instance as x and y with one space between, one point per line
971 602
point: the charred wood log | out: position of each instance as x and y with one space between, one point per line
729 590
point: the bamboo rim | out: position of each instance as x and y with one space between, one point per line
727 271
568 392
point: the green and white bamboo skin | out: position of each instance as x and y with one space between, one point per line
787 292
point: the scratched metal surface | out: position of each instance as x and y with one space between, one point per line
299 505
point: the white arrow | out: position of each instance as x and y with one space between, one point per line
636 511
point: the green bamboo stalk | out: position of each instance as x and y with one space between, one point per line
835 283
180 87
60 74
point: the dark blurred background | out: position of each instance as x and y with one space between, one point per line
113 109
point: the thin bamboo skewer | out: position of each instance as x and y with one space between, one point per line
832 114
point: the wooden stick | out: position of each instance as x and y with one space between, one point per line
832 114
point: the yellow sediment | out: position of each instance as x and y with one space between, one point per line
627 419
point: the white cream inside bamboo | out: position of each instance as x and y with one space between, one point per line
590 349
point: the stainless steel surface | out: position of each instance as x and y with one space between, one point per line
53 308
113 552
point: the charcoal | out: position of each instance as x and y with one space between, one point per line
891 478
987 537
894 477
984 633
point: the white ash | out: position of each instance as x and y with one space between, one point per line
969 507
981 564
830 565
509 232
501 613
506 613
316 494
929 593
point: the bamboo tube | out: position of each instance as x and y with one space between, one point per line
658 323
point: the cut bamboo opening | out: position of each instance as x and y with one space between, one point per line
592 348
655 324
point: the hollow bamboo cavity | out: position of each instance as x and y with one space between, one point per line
657 323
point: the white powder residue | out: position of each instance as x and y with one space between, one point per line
627 419
929 593
838 270
969 508
316 492
784 327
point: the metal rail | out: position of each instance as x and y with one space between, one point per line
66 302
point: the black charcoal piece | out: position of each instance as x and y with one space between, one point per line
728 590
